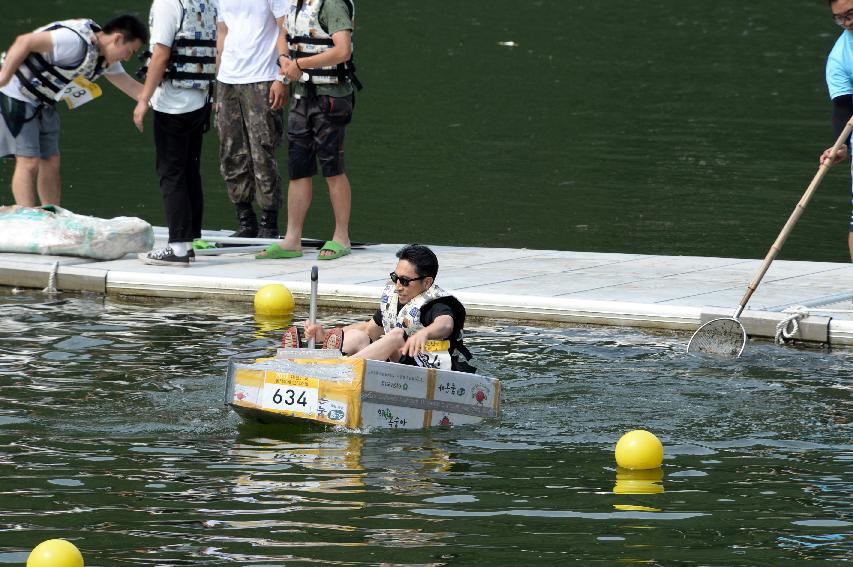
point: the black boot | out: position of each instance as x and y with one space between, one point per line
269 225
248 221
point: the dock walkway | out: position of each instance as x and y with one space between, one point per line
541 286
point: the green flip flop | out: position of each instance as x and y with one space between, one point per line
276 252
337 250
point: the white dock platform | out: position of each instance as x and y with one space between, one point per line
666 292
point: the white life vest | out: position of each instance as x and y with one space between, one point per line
43 82
192 64
408 318
307 37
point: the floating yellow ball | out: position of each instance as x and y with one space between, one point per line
639 450
273 299
55 553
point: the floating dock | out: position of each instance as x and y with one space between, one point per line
537 286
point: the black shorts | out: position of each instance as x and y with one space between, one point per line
315 130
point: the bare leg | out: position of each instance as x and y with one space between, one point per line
355 340
49 181
387 347
340 194
299 194
24 180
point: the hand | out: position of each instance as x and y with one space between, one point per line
278 95
840 155
415 344
139 114
314 330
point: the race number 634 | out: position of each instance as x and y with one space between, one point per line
290 398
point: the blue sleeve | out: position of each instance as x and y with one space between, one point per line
839 66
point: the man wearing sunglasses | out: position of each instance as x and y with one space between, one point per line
839 80
417 322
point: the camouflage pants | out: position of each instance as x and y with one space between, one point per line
249 135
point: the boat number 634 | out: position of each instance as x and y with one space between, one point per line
290 398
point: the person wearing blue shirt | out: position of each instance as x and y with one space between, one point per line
839 81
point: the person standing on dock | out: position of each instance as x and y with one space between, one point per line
250 94
839 80
57 62
179 72
321 75
417 323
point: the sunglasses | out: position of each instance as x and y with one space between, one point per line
404 281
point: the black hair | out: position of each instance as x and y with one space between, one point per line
129 26
422 258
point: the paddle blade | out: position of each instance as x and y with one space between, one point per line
718 337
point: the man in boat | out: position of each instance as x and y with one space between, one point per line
839 80
417 322
59 61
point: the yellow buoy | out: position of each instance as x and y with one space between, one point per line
639 450
273 299
55 553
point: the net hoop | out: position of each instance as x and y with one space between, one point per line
718 337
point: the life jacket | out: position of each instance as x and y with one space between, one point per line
440 354
307 37
43 82
192 64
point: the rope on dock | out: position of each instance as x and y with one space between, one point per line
788 327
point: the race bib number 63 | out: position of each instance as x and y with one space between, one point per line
79 92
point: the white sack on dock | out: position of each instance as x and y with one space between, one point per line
53 230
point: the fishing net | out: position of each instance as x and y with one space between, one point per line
718 337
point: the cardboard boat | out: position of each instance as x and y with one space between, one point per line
321 386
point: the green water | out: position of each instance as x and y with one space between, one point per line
113 434
657 127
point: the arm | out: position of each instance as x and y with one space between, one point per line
156 69
439 329
23 45
278 94
221 32
126 84
338 53
842 109
281 49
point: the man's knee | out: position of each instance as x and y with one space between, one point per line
397 336
51 163
27 165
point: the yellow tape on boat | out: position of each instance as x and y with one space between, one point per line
308 397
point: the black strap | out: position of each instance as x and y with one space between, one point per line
43 67
308 40
189 42
25 84
176 59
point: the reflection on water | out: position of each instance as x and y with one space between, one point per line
113 433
